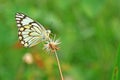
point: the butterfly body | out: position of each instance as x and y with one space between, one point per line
30 32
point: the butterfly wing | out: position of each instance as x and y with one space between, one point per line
29 31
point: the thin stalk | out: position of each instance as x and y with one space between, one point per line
58 62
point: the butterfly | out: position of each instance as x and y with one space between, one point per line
30 32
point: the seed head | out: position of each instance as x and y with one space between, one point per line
27 58
51 45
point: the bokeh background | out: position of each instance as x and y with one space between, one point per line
89 31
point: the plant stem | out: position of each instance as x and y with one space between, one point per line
59 66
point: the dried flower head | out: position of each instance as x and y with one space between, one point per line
27 58
51 45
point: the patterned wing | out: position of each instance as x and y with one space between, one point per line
29 31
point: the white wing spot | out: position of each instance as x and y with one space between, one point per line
26 21
27 26
24 32
25 44
22 42
27 30
19 15
18 25
20 37
21 29
19 32
18 21
17 18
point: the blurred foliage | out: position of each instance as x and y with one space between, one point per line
89 31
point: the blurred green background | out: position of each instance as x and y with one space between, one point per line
89 31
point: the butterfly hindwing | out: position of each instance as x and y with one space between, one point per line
27 36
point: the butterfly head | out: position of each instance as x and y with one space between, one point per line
48 32
46 35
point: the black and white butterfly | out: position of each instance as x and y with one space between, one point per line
30 32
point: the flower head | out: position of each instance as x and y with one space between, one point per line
51 45
27 58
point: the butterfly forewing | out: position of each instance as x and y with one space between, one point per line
29 31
